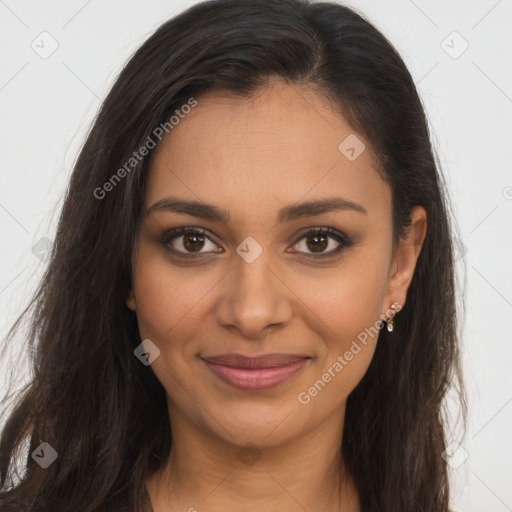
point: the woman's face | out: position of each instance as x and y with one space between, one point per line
250 284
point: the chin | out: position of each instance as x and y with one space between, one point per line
263 426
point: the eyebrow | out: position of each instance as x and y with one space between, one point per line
286 214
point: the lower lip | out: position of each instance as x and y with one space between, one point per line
255 379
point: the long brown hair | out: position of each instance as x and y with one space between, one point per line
90 398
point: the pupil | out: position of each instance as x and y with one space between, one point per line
190 241
319 243
316 243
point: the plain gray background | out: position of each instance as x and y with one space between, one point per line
459 55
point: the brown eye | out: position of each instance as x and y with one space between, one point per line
193 242
187 241
190 242
315 242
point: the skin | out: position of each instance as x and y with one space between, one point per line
263 450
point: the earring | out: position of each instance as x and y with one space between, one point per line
389 324
131 306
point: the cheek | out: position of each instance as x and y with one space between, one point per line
347 305
169 301
347 299
168 309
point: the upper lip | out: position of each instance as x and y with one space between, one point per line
253 362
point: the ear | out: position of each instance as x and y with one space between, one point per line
405 258
130 301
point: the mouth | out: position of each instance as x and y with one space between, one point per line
255 373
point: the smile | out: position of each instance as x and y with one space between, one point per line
255 373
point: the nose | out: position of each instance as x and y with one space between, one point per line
253 298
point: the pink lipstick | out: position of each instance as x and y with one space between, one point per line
255 373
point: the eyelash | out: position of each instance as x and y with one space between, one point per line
341 238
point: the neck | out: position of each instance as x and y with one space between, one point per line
207 473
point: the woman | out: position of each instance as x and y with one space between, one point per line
250 301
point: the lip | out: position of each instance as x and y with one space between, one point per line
255 373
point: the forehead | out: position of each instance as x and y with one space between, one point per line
278 147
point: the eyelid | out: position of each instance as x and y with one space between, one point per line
341 238
172 234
